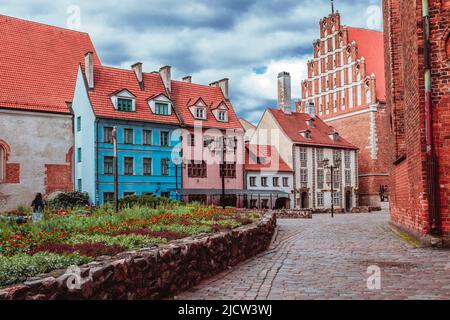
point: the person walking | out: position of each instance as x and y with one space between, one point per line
38 205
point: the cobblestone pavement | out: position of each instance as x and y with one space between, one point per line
327 258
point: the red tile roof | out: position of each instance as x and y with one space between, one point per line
185 94
293 124
108 81
38 64
273 161
371 47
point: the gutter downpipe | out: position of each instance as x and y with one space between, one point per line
96 165
432 165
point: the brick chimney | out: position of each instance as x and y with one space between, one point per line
284 92
166 76
187 79
310 109
89 69
137 68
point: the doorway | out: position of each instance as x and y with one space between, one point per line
304 200
348 201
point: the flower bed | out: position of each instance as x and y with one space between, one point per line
75 237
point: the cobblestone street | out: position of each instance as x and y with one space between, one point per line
327 258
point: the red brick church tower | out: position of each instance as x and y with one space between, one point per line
346 85
418 96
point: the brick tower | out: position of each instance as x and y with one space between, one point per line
418 95
346 84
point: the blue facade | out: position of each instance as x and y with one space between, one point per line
160 180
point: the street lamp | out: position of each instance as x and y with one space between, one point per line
327 165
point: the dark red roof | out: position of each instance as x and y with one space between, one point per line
371 46
108 81
273 161
186 94
295 123
38 64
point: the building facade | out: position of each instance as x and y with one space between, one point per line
37 81
139 106
268 179
418 96
304 141
346 85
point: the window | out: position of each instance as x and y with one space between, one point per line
320 158
147 137
347 158
129 194
164 138
200 113
129 166
229 170
222 116
336 155
2 163
191 140
336 179
147 166
304 177
303 157
337 198
320 202
197 170
124 104
264 204
252 181
264 181
108 197
276 181
79 155
307 134
164 167
107 135
78 124
128 136
79 185
320 179
285 182
348 177
108 164
162 109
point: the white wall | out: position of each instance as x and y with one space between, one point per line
270 175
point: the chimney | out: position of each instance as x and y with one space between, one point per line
223 84
310 109
89 69
166 76
187 79
284 92
137 68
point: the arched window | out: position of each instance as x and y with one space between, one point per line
2 163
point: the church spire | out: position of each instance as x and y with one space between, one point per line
332 6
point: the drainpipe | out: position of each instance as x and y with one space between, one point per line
432 165
96 165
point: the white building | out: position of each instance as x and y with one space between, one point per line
268 179
303 141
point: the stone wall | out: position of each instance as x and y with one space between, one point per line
151 273
294 214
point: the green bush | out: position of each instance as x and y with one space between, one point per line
18 268
69 200
145 201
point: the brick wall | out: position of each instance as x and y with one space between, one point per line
405 99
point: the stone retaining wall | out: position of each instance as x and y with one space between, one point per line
294 214
152 273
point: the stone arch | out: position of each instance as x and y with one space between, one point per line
5 150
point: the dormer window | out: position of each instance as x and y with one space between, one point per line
223 116
310 123
200 113
306 134
162 109
334 136
124 104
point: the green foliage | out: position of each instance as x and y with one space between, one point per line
131 241
69 200
21 266
150 201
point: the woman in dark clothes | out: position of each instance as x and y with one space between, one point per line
38 206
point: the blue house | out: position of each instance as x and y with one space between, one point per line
139 105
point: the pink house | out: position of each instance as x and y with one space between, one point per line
209 120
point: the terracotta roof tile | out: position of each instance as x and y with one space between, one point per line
294 123
273 161
38 64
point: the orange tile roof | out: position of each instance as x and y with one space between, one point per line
38 64
109 80
294 123
371 46
273 161
185 94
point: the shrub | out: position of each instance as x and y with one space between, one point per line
145 200
69 200
18 268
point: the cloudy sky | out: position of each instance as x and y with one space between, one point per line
247 41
